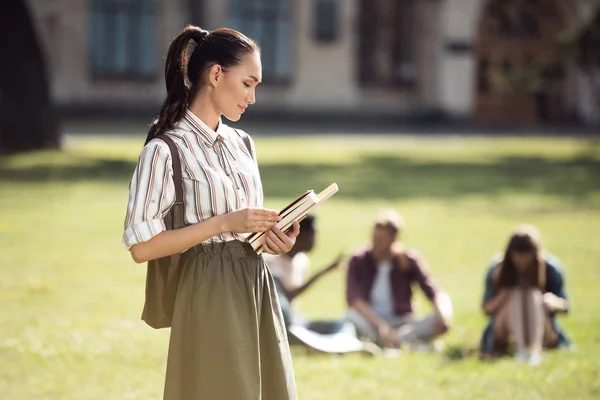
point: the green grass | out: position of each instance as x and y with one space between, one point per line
71 297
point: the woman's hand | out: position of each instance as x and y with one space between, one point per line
553 303
492 306
249 220
277 242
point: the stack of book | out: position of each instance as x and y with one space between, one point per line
296 211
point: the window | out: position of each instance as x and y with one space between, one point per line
385 50
326 25
518 19
122 36
269 23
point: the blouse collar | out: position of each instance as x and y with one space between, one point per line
199 127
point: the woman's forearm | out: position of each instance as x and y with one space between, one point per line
492 306
443 307
177 240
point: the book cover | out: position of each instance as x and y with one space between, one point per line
295 211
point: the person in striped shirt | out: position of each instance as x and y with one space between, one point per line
228 339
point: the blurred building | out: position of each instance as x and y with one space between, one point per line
399 58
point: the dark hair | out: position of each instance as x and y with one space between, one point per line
307 223
525 239
392 230
225 47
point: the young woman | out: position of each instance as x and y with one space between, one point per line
523 293
228 339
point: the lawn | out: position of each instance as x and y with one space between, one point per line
71 297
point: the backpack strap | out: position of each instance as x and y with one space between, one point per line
246 140
177 209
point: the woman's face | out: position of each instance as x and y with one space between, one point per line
236 87
522 260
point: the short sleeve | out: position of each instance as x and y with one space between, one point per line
151 194
421 275
300 268
555 279
488 292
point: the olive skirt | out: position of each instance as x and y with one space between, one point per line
228 340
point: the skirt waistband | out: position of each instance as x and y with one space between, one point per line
234 248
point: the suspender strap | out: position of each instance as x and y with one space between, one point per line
246 140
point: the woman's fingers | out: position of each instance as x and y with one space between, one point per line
295 230
263 224
283 241
274 245
263 214
277 237
276 241
266 249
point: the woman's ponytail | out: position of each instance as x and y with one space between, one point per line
174 106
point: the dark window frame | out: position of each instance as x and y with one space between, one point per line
276 16
401 36
103 54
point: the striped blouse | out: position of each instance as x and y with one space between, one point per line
219 176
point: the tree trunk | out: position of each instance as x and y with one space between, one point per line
28 120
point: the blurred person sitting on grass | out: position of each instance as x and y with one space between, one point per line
290 271
524 290
379 291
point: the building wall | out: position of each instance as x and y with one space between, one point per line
63 27
458 67
324 74
324 77
458 70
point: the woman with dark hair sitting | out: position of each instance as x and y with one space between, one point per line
524 291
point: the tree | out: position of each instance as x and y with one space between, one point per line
580 44
28 120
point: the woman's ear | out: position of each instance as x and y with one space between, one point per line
215 75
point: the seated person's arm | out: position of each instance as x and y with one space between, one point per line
555 299
364 308
439 298
492 301
443 308
356 296
293 293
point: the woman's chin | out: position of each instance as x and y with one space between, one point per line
233 117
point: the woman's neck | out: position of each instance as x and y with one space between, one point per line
203 108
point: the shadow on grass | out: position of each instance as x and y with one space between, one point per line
460 353
376 177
